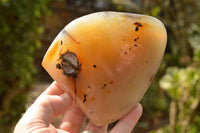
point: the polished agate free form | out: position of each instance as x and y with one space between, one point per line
106 61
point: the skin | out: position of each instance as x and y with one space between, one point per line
54 102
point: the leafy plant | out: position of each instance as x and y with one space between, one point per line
20 24
183 87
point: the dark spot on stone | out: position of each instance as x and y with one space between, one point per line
85 96
136 28
61 42
58 66
70 64
125 53
89 86
135 45
136 39
94 66
104 86
138 25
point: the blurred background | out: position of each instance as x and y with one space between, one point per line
27 28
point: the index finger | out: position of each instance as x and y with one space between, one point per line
54 89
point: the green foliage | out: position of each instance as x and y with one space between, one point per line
179 82
20 24
194 40
183 87
156 11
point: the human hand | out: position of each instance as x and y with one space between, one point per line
53 102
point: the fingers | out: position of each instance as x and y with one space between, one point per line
53 105
73 119
53 89
54 101
128 122
46 107
96 129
